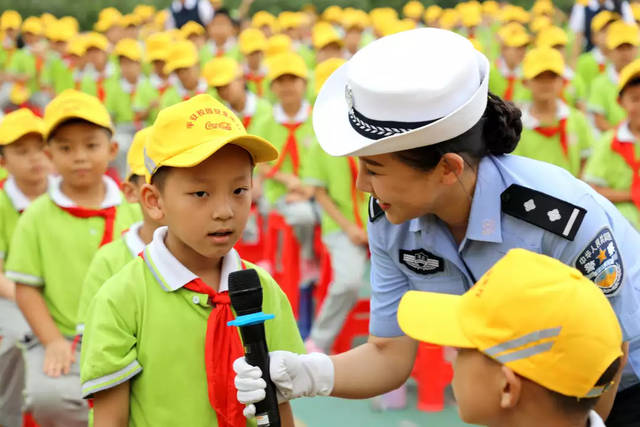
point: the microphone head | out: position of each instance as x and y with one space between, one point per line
245 291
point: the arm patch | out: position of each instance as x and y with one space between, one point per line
601 263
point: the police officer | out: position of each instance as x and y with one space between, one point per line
447 203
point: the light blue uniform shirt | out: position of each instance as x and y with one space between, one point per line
421 254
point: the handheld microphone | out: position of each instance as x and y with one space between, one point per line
245 293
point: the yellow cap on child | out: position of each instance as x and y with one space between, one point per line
189 132
183 54
221 71
603 18
324 34
19 123
552 36
286 63
252 40
10 19
514 35
542 59
620 32
32 25
628 73
129 48
73 104
135 155
324 70
96 40
531 313
191 28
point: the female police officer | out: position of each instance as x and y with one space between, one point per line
447 203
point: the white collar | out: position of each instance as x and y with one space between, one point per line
132 239
201 88
18 199
109 70
506 71
262 72
598 55
128 87
171 274
228 45
112 196
624 133
613 74
301 116
595 420
531 122
250 106
568 73
157 81
188 4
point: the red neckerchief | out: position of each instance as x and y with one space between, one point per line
189 96
551 131
602 67
109 215
627 152
246 121
100 93
257 79
290 148
511 84
357 197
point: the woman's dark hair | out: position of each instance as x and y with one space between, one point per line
496 133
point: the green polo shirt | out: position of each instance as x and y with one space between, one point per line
144 96
52 250
24 62
498 85
606 168
537 146
334 175
259 111
8 219
121 103
603 99
144 329
588 69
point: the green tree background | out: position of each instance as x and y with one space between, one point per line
86 11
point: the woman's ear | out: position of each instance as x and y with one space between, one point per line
150 199
451 167
511 388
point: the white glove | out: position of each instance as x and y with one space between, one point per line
295 375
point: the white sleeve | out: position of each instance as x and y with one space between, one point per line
627 13
205 11
576 20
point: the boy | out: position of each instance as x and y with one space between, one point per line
22 154
56 74
525 356
622 44
252 43
152 324
195 33
592 63
53 244
183 63
221 34
505 78
612 169
99 68
326 42
113 256
552 131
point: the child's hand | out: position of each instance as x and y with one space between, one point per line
58 358
357 236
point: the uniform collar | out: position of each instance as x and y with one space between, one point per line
228 45
568 73
132 239
301 116
156 80
250 106
531 122
171 274
595 420
613 74
112 196
128 87
201 88
623 134
18 199
262 72
598 55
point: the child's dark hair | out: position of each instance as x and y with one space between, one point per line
578 406
633 82
159 178
75 121
496 133
135 179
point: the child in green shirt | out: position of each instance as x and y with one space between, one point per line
22 154
552 131
99 69
221 34
505 77
613 167
57 75
52 247
252 44
157 349
594 62
183 63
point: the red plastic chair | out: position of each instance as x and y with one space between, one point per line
355 325
253 251
282 252
432 374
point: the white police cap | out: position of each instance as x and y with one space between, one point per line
403 91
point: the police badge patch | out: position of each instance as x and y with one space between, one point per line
421 261
601 263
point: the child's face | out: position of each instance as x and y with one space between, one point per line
332 50
189 77
97 57
289 88
130 69
513 56
352 39
254 59
477 386
630 101
26 160
115 33
220 28
81 153
58 46
546 86
622 55
206 206
130 32
31 39
158 67
266 30
232 92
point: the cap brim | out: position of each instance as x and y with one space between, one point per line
338 138
12 136
433 318
85 117
540 70
260 149
183 63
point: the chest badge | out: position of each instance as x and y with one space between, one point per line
421 261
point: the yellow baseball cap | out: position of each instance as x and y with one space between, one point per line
288 19
552 36
449 19
332 14
286 63
59 31
619 33
542 59
129 20
73 104
161 18
514 35
432 13
324 70
603 18
19 123
539 23
76 46
221 71
182 54
129 48
70 22
324 34
189 132
157 46
263 18
33 25
96 40
191 28
490 7
413 9
10 19
355 18
144 11
628 73
109 12
251 40
542 7
280 43
518 314
471 18
135 155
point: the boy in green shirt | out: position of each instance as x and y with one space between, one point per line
22 154
99 69
196 34
552 131
157 349
252 43
52 247
505 77
612 169
622 44
57 75
593 63
113 256
10 22
183 63
221 35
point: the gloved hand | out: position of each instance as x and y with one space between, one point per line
295 375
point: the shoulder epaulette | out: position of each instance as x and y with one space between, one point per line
375 211
542 210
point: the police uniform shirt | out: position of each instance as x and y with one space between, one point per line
517 203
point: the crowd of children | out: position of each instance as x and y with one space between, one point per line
126 159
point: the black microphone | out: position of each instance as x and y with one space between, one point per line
245 293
